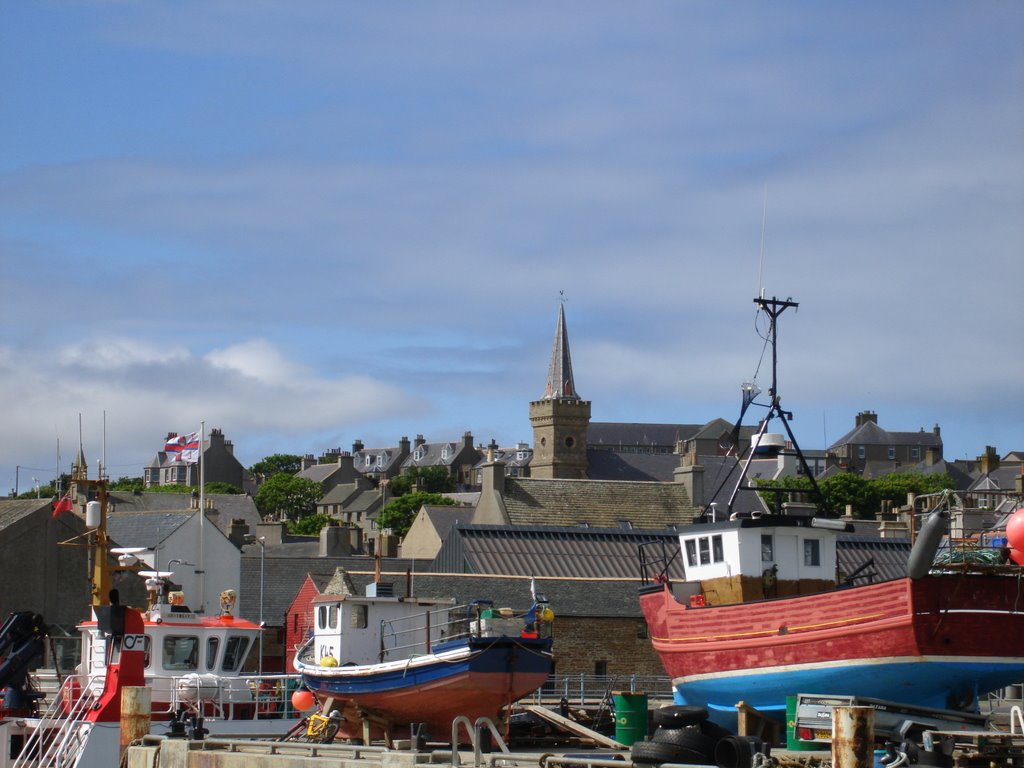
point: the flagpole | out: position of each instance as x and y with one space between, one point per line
202 519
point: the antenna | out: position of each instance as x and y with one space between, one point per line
764 221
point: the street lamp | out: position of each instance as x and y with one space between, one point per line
262 541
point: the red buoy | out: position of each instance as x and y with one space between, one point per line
303 700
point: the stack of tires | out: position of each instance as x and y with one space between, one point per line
681 735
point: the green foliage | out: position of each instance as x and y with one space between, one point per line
864 496
220 487
850 488
287 495
279 462
399 513
435 479
47 491
309 525
172 489
130 484
894 488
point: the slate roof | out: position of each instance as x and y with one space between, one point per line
548 551
596 503
603 464
145 529
615 435
229 506
318 473
13 510
869 433
889 555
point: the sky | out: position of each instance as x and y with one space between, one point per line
310 223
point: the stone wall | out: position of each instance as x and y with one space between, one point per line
623 644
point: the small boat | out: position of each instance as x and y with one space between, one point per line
760 615
389 666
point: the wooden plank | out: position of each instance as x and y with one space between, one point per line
572 726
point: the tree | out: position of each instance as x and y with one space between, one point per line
309 525
850 488
895 487
288 495
436 479
278 462
130 484
399 513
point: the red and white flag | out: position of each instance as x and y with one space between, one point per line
63 504
183 448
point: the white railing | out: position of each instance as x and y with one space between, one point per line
61 733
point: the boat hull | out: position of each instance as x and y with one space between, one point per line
475 679
939 641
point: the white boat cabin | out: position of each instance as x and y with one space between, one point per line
378 627
747 559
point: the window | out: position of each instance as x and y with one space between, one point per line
445 453
717 551
358 618
625 524
892 452
234 653
915 453
212 644
419 454
601 668
767 548
642 633
570 441
181 652
691 552
860 451
705 550
812 552
367 460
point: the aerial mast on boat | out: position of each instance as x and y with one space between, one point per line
772 308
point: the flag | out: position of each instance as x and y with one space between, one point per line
183 448
61 505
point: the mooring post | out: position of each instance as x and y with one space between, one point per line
135 714
853 737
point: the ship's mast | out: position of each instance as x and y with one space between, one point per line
773 308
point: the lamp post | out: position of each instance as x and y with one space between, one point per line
262 541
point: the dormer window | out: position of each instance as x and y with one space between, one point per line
419 453
444 453
367 460
380 460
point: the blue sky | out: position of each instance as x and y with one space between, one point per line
307 223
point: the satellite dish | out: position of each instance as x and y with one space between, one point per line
156 574
128 550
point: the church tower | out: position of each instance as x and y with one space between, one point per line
560 418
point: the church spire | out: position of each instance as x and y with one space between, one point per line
560 385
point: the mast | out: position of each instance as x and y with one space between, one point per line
773 308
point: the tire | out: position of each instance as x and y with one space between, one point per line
657 752
714 730
699 745
677 716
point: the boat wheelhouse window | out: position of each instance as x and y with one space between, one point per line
181 652
812 552
234 653
327 617
704 547
212 644
358 617
691 552
767 548
717 551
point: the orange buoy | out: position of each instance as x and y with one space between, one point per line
303 700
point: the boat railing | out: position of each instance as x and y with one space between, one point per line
588 690
408 636
244 697
60 737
